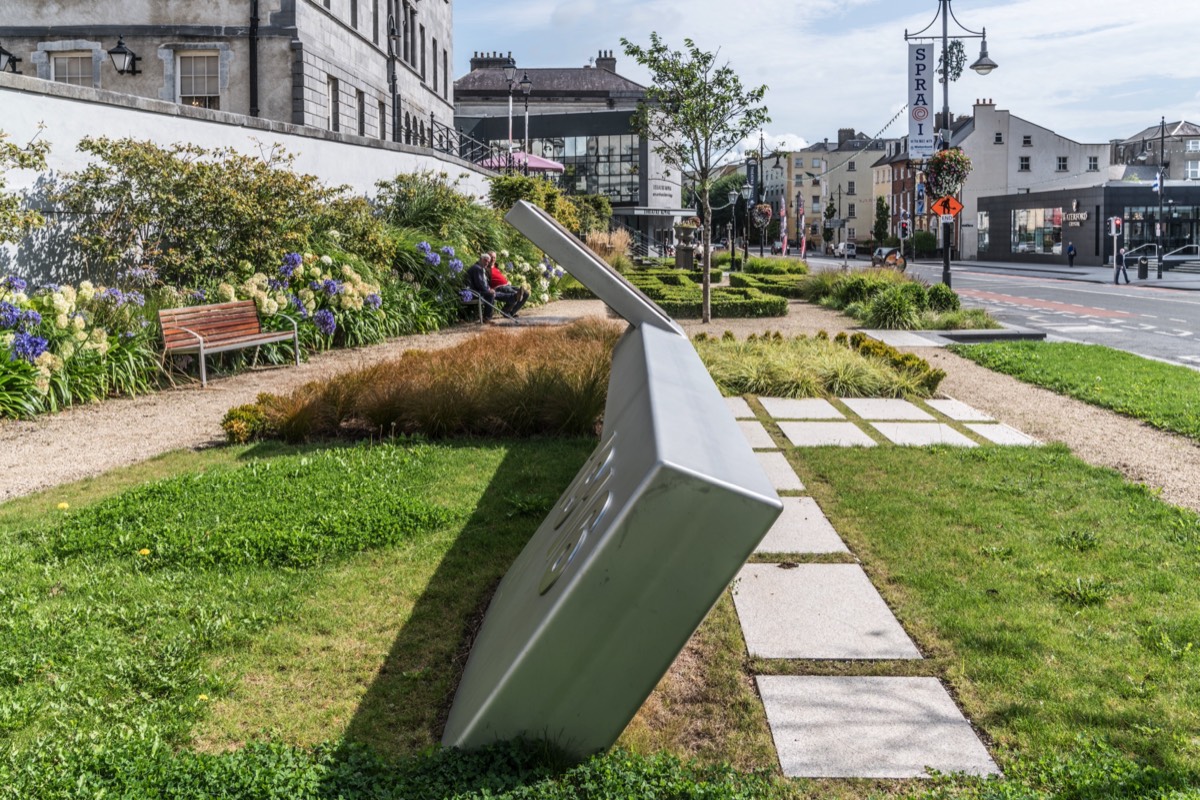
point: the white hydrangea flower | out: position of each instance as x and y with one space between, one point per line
61 322
77 323
327 261
544 298
86 291
225 293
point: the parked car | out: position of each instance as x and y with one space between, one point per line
888 257
846 249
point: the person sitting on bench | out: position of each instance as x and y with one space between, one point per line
513 297
478 275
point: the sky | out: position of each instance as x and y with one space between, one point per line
1090 70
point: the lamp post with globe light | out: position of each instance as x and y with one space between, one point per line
950 70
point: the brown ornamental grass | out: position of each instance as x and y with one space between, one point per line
528 382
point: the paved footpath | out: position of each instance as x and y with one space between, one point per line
833 726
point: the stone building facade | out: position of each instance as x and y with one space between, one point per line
327 64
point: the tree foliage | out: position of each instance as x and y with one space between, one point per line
15 221
883 220
695 112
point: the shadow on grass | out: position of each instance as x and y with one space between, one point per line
405 708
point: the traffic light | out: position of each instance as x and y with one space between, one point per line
1114 226
904 230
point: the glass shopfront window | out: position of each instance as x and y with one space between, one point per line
1181 225
1037 230
983 225
603 165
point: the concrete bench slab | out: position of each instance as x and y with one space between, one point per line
800 408
802 528
885 408
824 611
816 434
835 727
921 433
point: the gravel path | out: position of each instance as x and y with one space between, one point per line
89 440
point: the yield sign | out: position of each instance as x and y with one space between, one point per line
946 206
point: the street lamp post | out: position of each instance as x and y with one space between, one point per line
761 189
392 37
1162 185
526 86
983 65
510 75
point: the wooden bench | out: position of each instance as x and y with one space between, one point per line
218 328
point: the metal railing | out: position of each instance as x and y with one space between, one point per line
642 245
452 141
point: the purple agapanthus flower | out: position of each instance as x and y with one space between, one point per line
27 347
10 315
447 251
275 285
433 259
373 300
325 322
331 287
138 276
467 295
424 248
14 283
197 296
29 319
298 304
456 266
291 263
558 272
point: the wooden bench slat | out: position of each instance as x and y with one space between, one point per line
220 327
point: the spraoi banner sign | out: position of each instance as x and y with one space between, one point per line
921 124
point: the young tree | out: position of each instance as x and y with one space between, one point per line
883 220
830 213
694 114
16 221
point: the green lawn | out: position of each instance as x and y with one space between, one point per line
1163 395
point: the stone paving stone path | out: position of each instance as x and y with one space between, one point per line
834 726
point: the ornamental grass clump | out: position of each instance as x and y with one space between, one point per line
526 383
803 366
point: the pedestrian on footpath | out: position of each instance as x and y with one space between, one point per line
1119 269
1070 255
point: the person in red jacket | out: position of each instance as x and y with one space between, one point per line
512 297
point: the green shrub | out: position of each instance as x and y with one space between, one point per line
775 266
677 294
917 368
783 285
916 294
943 298
244 424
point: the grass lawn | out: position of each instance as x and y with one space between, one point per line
243 655
1163 395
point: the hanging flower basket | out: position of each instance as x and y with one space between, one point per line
761 215
947 171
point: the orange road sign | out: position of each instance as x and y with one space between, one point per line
946 206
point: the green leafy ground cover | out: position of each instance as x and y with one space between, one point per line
891 300
1163 395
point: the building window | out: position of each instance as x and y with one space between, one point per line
999 137
850 167
362 113
335 106
850 187
375 21
816 163
73 68
422 52
850 212
1062 164
354 14
1026 141
850 234
445 74
1193 170
199 77
1037 230
383 120
1023 164
1193 145
435 66
1093 163
983 227
816 203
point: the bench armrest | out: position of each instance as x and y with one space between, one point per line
189 331
295 328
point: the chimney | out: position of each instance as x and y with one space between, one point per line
845 135
492 60
606 60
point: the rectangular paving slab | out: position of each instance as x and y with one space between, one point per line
779 472
921 433
802 528
885 408
958 410
827 611
816 434
838 727
999 433
757 435
739 407
800 408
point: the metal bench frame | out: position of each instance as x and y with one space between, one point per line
219 328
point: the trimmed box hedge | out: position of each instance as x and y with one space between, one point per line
680 296
782 285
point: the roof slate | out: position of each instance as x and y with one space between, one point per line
549 81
